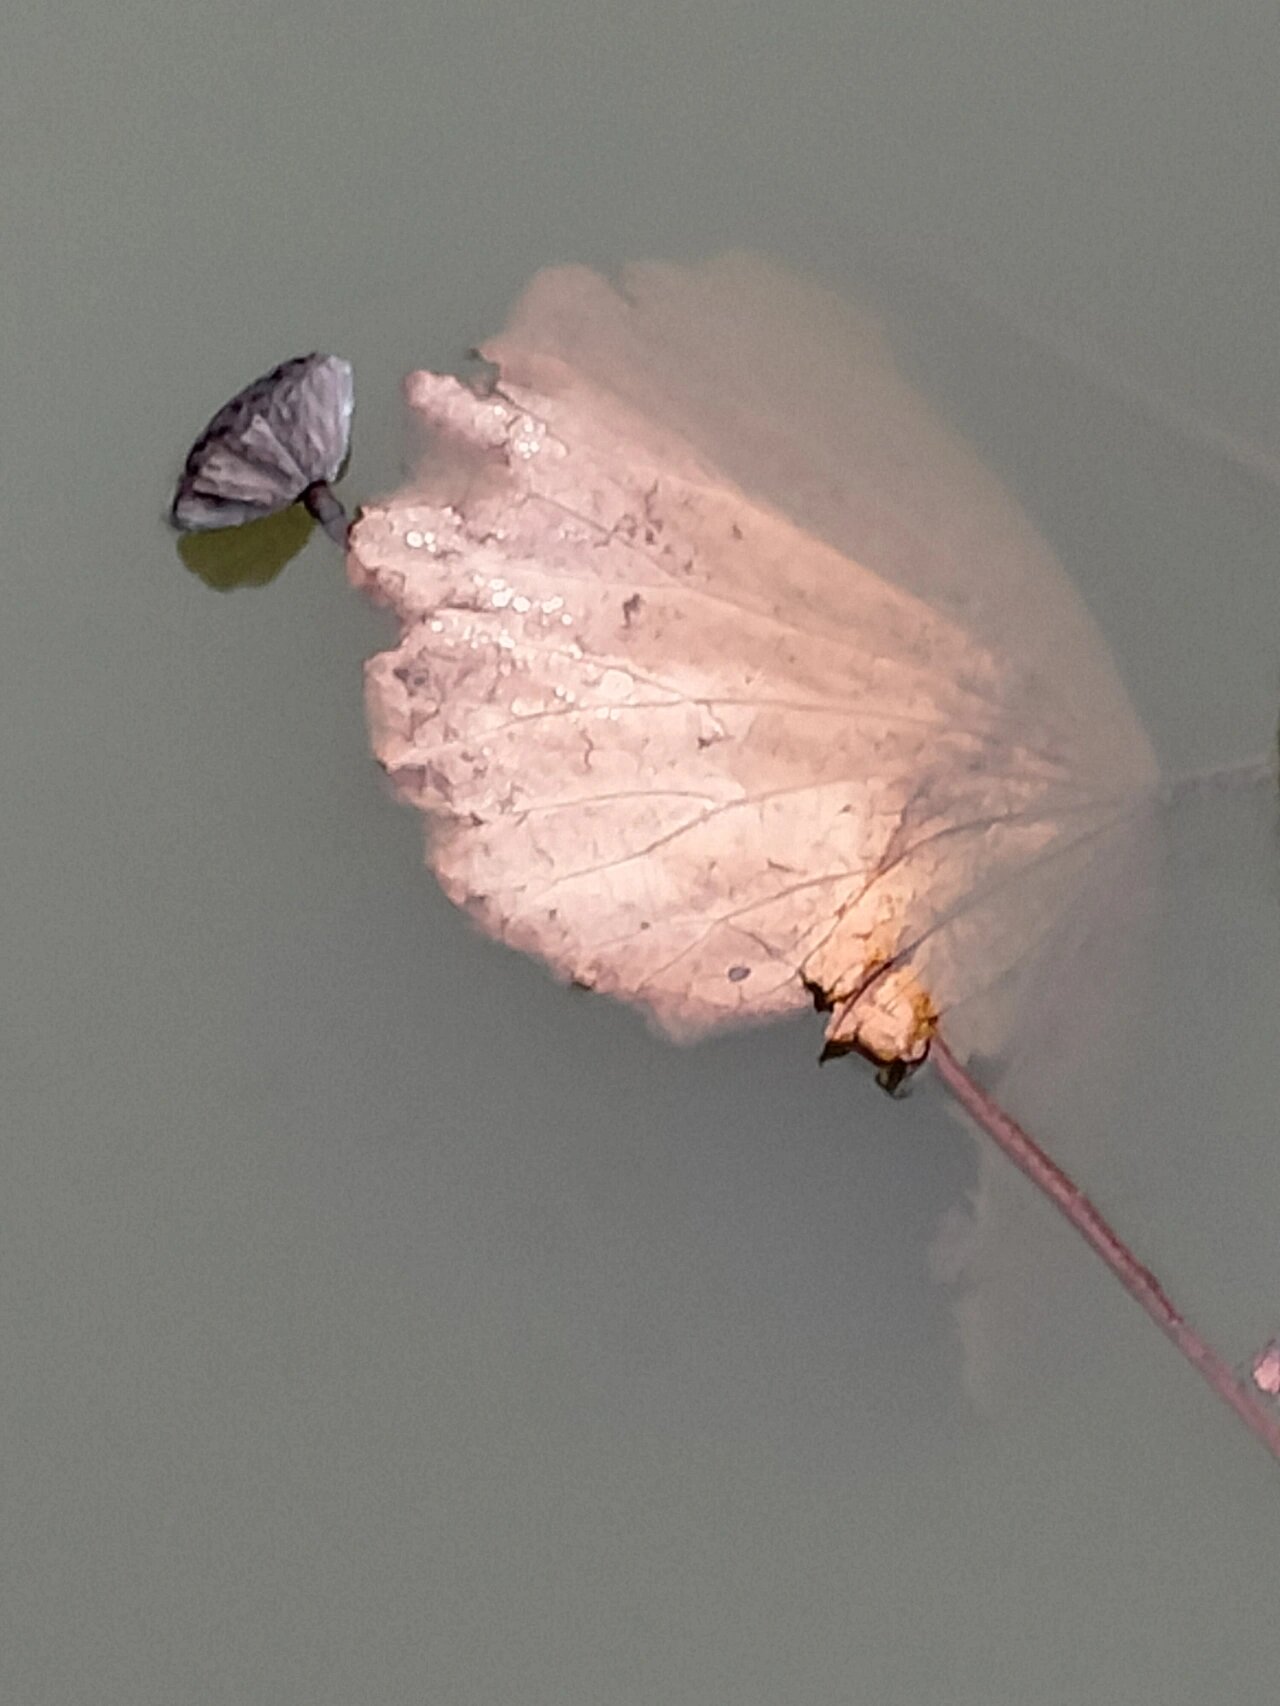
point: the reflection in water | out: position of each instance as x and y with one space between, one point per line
252 555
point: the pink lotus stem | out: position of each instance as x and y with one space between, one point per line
1141 1284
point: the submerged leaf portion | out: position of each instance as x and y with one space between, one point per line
727 679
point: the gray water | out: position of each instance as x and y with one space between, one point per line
383 1323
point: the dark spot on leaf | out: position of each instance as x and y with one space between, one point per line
436 779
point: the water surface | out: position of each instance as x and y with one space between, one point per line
383 1323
